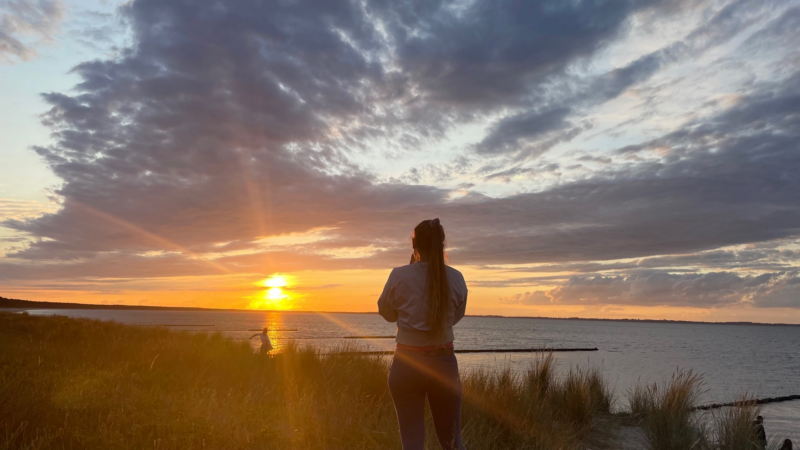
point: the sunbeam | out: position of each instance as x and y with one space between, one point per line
161 241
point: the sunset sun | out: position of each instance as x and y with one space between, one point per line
274 296
275 281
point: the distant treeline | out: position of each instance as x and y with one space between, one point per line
28 304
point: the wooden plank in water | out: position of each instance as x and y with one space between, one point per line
493 350
200 325
528 350
260 329
755 401
369 337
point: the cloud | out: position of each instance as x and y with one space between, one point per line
13 208
595 159
658 288
713 289
778 33
722 181
23 20
784 292
544 120
528 298
227 123
489 53
750 258
216 127
509 131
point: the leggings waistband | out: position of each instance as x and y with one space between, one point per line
431 348
438 350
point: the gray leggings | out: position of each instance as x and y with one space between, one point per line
415 376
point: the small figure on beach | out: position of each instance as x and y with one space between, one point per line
426 298
787 445
759 433
266 344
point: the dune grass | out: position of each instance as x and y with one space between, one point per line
75 383
534 409
666 413
732 426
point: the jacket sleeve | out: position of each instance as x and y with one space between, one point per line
461 310
386 303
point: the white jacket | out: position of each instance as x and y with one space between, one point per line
404 300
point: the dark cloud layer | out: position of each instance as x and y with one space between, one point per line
756 258
712 289
494 52
535 129
228 122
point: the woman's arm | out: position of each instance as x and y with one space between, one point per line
386 301
461 310
251 337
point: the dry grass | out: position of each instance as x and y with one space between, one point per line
68 383
534 409
732 427
665 412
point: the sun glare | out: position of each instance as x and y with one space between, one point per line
275 281
274 296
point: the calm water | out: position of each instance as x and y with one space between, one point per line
763 361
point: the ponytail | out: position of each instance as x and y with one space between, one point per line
429 239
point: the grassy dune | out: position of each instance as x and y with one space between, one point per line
69 383
75 384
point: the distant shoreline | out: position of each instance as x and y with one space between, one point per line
10 303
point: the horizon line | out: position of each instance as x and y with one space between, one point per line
69 305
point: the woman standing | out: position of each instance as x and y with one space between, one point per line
426 298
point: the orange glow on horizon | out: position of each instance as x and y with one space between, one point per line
354 290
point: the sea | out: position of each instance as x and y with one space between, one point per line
735 359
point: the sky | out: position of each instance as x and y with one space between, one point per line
615 159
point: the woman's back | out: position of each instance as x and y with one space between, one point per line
405 301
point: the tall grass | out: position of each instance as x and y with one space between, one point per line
733 426
70 383
534 409
665 412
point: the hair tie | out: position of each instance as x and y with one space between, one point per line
434 222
